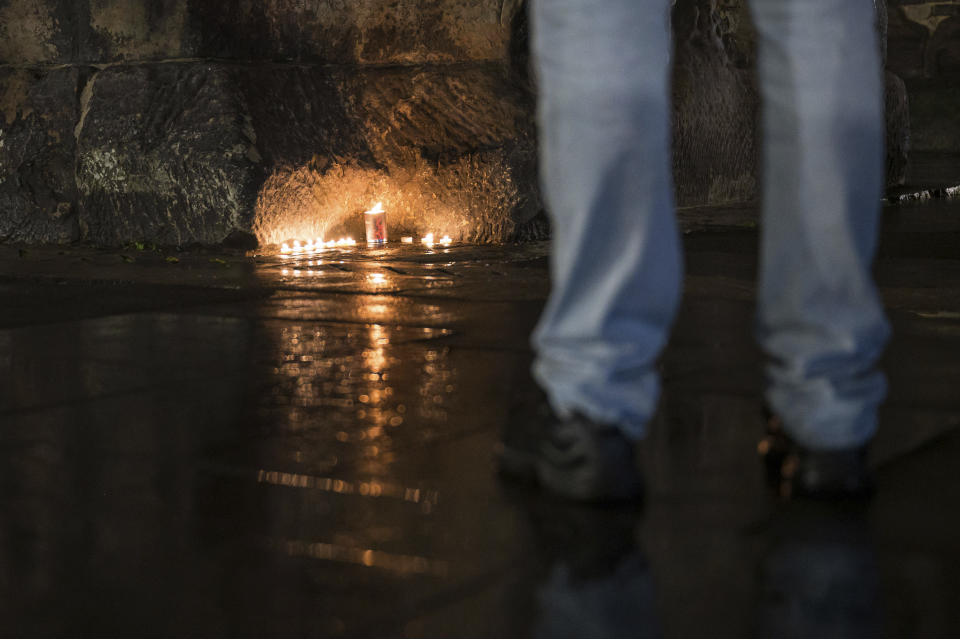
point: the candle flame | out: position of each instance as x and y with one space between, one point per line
377 208
301 247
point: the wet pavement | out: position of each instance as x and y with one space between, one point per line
232 446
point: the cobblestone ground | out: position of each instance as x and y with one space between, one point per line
215 445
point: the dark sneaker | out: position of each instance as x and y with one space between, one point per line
575 458
796 471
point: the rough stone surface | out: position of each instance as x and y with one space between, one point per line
364 31
38 195
945 45
136 30
165 154
338 31
447 152
924 44
715 103
924 38
37 31
934 115
898 129
181 153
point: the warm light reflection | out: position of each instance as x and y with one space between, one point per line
376 359
402 564
314 246
436 384
377 278
378 489
346 385
429 240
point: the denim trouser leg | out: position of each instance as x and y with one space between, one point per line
819 318
605 153
603 120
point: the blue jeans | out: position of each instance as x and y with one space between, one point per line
603 72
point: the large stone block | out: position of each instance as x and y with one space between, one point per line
944 47
907 41
82 31
181 153
165 153
715 103
446 151
354 31
112 30
338 31
924 38
925 51
897 111
37 31
38 112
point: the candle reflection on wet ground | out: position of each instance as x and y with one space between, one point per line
300 446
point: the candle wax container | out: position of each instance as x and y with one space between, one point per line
376 226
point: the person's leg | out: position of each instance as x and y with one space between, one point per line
603 72
820 319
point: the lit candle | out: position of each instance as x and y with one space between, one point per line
375 221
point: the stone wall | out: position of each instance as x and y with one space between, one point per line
308 31
925 38
925 51
182 121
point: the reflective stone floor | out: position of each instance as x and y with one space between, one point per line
230 446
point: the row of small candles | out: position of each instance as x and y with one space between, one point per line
299 247
312 247
376 229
